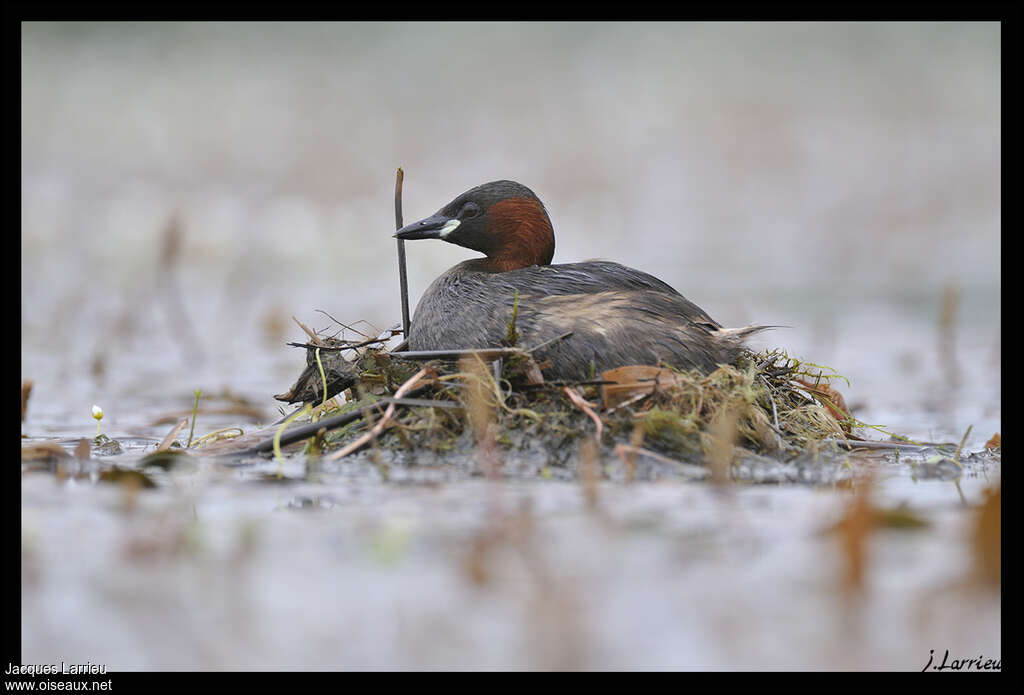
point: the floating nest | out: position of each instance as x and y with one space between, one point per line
485 406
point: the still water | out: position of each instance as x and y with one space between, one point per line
840 180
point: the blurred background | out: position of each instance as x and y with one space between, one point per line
833 178
822 176
188 187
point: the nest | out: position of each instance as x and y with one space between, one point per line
496 401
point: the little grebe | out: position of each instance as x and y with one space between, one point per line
618 316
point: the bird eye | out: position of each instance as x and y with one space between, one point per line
469 211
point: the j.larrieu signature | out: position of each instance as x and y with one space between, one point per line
979 664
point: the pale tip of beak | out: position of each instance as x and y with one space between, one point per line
448 228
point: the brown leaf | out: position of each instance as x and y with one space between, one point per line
995 443
633 380
832 400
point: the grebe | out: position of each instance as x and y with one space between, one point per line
618 316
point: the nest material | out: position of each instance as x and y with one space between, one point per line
764 404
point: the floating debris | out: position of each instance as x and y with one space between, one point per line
994 443
129 477
105 446
43 452
167 459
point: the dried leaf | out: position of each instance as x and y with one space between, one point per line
831 399
633 380
995 443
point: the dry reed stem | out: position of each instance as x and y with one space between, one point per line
308 331
723 431
26 391
986 539
590 471
854 531
172 435
481 411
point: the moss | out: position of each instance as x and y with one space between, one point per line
671 430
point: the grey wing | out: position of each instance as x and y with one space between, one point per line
595 276
616 328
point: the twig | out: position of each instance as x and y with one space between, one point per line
420 402
629 401
306 330
305 431
487 354
169 439
402 279
548 342
402 390
956 456
348 327
585 407
348 345
195 412
875 444
275 423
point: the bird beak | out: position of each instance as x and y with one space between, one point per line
434 227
